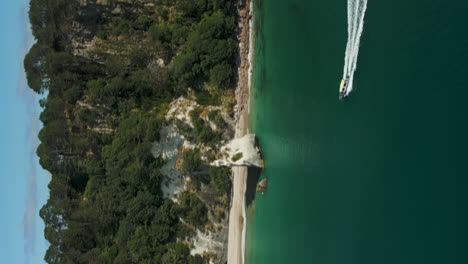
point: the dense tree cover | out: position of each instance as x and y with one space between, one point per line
103 110
207 53
202 130
220 179
191 160
193 210
217 119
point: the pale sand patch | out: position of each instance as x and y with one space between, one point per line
236 217
237 221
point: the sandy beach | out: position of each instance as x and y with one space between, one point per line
236 215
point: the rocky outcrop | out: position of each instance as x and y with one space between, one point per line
262 185
173 142
240 152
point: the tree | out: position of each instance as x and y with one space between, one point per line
221 75
191 160
217 119
193 8
202 130
177 253
34 65
73 94
193 210
220 179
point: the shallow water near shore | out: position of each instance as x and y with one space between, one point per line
381 177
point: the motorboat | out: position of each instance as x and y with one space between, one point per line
344 87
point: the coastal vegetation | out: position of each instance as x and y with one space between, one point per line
237 156
107 71
203 131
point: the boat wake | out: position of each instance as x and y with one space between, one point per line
356 12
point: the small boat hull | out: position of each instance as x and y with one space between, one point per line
343 88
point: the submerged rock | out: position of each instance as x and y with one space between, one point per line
262 185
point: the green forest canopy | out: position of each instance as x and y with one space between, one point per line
104 110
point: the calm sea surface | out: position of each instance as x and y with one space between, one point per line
383 176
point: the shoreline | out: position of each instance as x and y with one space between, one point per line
237 219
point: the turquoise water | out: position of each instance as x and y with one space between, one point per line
383 176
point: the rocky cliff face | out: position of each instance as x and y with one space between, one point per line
240 152
93 15
173 142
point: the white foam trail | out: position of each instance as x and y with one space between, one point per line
356 11
349 42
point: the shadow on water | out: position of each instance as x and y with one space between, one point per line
252 179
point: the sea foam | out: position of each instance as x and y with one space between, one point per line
356 12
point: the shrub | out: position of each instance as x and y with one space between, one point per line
160 32
192 209
120 26
217 119
142 22
202 130
191 160
184 129
102 34
73 94
154 127
237 157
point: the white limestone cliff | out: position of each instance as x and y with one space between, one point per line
240 152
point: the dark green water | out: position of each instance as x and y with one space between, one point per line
379 178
